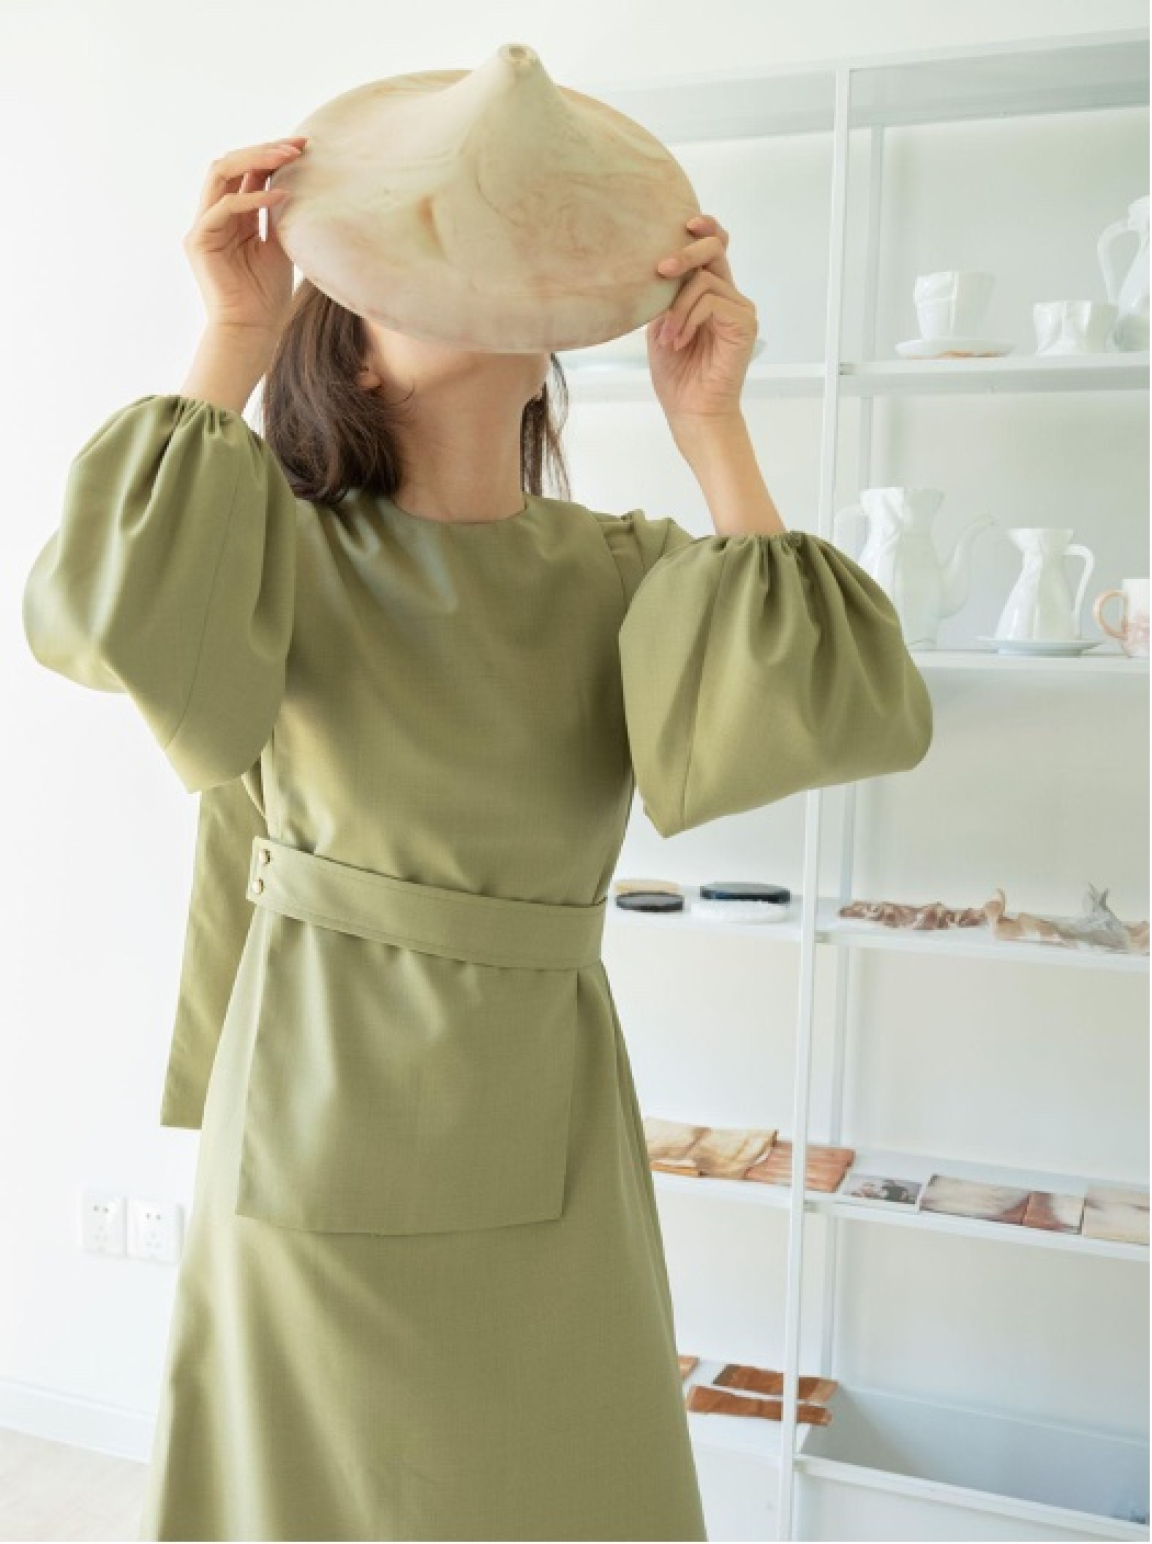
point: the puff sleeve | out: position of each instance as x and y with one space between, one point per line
756 666
171 578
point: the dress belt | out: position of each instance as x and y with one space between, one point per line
462 924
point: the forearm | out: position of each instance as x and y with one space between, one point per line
227 367
721 456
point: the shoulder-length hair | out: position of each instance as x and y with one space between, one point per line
330 435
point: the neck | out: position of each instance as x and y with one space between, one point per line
462 457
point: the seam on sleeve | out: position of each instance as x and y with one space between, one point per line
170 741
649 569
607 533
664 543
699 685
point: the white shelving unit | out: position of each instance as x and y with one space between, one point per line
890 1466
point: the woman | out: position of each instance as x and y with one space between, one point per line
423 1294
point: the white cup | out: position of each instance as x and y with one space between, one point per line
951 304
1073 326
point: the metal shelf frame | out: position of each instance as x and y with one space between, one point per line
841 96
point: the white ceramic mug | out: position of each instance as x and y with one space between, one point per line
1073 326
1133 630
951 304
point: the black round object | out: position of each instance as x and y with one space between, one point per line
650 900
745 890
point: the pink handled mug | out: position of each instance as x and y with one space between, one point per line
1133 629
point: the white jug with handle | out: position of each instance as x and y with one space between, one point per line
900 555
1130 293
1041 605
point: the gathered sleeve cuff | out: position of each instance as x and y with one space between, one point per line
171 577
756 666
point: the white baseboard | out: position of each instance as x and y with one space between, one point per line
87 1423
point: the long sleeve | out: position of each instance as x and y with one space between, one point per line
756 666
171 577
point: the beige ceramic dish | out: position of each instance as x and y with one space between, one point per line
487 209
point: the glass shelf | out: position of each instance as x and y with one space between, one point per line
845 933
1002 80
920 1166
1018 373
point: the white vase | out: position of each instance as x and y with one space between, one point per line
1129 292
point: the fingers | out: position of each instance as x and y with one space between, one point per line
246 169
226 209
708 249
725 308
672 326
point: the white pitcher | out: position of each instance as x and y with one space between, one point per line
900 555
1131 292
1041 605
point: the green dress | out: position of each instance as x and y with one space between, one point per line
423 1292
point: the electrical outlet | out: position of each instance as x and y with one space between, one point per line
155 1229
101 1222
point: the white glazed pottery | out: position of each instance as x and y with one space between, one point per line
1130 292
1041 607
952 303
1056 647
1073 326
953 348
899 553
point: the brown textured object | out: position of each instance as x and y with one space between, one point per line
824 1170
726 1152
687 1363
928 918
647 887
765 1380
673 1166
706 1400
1098 928
1056 1212
488 209
671 1141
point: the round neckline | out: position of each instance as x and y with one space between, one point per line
530 504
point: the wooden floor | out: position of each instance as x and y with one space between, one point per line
49 1490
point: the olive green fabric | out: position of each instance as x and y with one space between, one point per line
755 667
219 911
461 711
456 1118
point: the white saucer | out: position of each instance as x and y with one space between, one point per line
1042 645
936 348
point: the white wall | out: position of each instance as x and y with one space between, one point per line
110 115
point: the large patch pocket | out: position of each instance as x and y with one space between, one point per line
395 1091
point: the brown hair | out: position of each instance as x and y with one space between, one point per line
330 435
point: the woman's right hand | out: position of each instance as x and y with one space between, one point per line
246 280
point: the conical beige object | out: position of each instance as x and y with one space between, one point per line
487 209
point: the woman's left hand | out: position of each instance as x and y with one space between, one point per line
702 378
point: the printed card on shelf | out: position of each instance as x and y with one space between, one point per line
883 1188
973 1198
1117 1214
1057 1213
